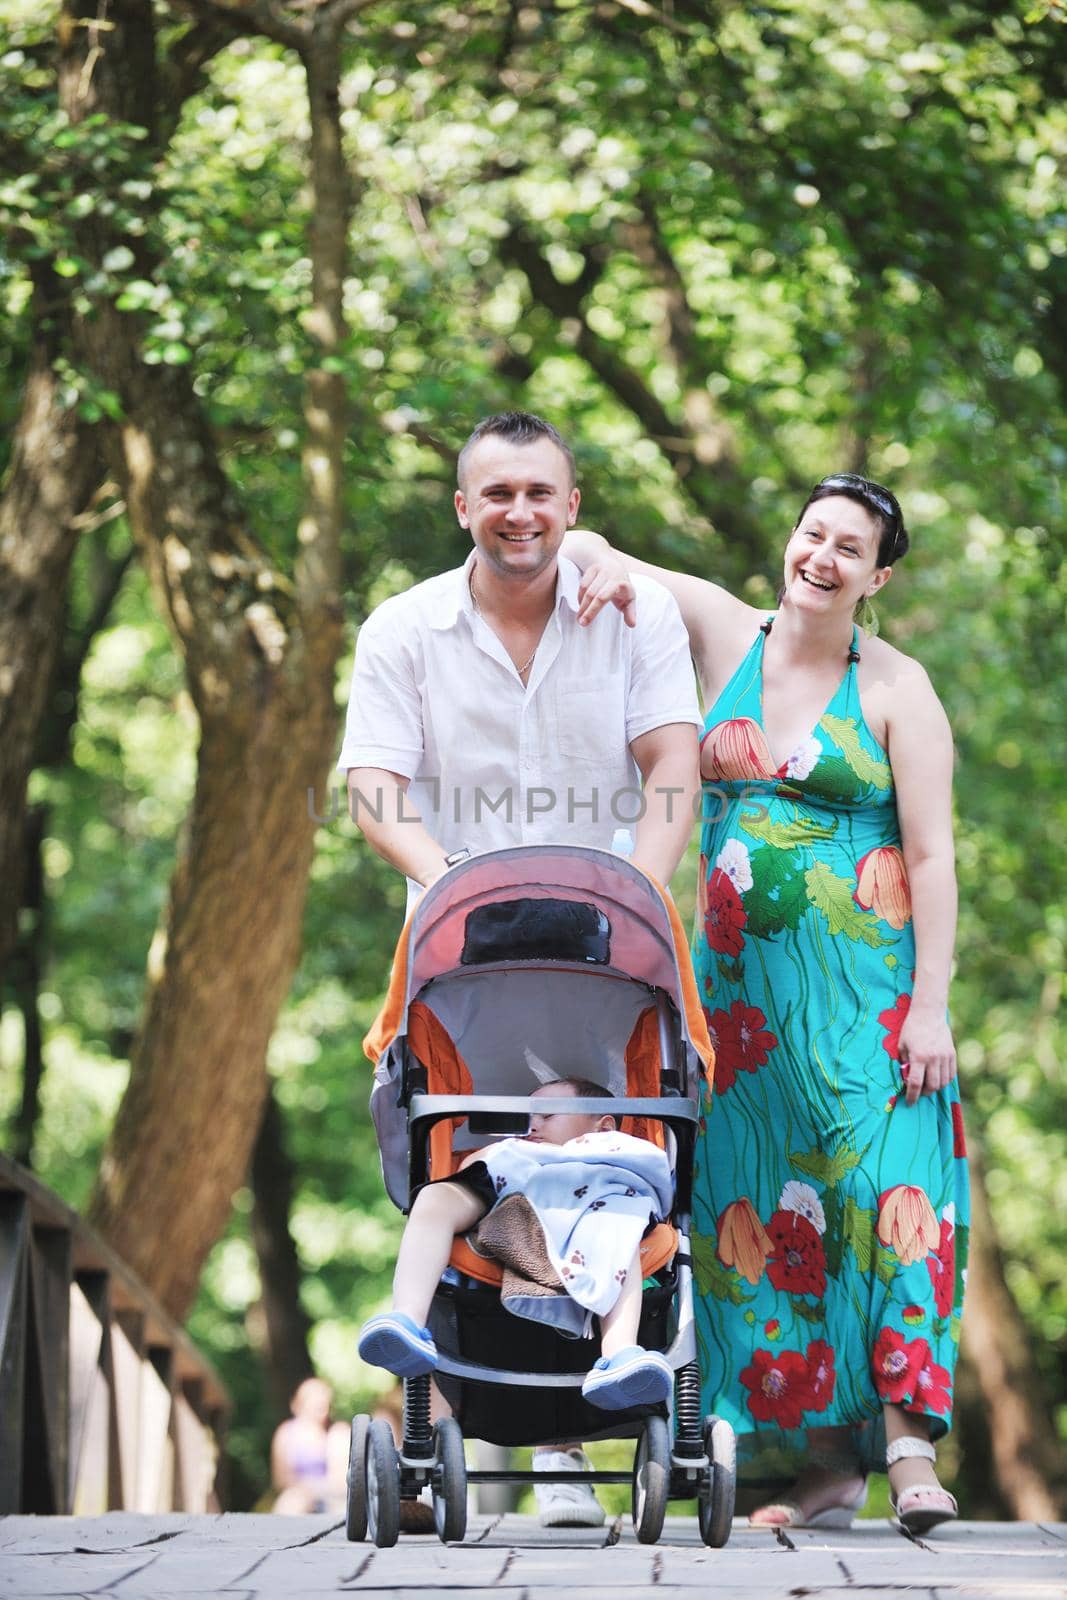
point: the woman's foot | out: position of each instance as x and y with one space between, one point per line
915 1494
820 1499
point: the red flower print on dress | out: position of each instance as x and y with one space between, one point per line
736 749
798 1264
893 1020
779 1387
942 1268
821 1374
724 915
933 1389
896 1364
959 1142
742 1042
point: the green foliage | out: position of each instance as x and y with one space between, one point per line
772 242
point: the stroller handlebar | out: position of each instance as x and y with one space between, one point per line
667 1108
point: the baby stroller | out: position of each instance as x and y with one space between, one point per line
516 967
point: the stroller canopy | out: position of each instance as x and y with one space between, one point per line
647 940
524 965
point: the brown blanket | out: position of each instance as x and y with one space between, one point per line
511 1234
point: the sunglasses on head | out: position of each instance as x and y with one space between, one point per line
870 491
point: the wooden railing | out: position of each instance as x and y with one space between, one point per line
105 1404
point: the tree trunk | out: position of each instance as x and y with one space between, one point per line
288 1324
54 469
1029 1465
260 654
25 976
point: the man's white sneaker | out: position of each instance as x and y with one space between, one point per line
566 1505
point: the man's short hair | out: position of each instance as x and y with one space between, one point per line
518 427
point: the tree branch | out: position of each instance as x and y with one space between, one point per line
340 12
252 16
326 401
704 488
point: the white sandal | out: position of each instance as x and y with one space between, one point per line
833 1514
924 1505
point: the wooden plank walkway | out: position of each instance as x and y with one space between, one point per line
273 1558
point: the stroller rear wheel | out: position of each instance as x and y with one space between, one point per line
718 1491
356 1481
652 1479
383 1484
449 1482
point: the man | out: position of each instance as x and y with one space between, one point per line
482 714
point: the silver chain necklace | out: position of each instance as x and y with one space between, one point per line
524 669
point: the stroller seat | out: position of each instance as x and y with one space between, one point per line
447 1073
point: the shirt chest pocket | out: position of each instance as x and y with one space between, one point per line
590 722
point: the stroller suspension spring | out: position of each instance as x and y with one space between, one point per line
418 1434
688 1431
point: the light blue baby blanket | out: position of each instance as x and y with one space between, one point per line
593 1197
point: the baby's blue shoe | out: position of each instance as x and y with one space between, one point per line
393 1341
632 1377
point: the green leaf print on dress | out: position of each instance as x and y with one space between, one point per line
859 1233
778 897
787 833
823 1168
835 779
833 897
845 734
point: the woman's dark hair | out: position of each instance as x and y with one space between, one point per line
879 502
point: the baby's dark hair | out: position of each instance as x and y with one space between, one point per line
584 1088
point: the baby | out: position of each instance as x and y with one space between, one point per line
626 1375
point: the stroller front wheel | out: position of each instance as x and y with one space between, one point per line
715 1503
652 1479
383 1485
449 1482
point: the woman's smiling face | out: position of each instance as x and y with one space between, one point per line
831 557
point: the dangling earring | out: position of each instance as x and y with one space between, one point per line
869 618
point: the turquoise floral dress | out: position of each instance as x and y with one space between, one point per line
830 1218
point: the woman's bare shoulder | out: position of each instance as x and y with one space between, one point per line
883 665
724 628
900 702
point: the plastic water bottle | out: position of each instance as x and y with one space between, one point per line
622 842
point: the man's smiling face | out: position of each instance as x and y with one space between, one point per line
518 502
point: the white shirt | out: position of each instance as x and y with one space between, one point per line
437 699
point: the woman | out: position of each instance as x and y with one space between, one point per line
309 1454
830 1201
